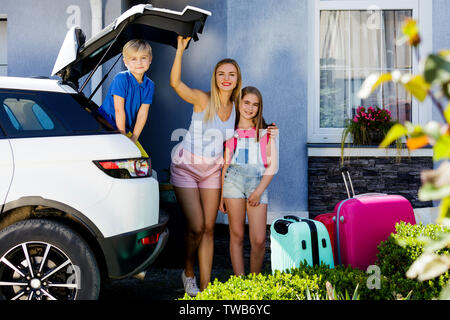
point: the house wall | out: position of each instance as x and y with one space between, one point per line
36 30
268 38
390 175
441 34
268 43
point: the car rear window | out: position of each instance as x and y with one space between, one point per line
35 113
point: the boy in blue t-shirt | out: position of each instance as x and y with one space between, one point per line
127 103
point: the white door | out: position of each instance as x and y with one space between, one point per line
6 168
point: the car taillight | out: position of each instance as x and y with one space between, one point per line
150 239
126 169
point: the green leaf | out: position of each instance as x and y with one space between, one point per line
445 53
447 113
428 266
397 131
430 192
308 294
446 89
408 297
412 129
416 85
439 177
410 27
356 294
371 83
445 293
432 129
436 69
442 148
444 209
435 245
411 30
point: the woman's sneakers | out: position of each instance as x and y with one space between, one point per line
190 285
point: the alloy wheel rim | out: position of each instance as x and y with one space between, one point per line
38 271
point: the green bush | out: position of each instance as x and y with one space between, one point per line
290 285
398 253
404 246
284 286
395 256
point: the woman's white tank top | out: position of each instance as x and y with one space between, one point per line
206 138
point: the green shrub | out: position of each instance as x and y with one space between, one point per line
395 256
403 247
291 285
400 250
281 286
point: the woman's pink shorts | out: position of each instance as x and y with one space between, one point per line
188 170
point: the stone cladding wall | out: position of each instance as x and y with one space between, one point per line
369 174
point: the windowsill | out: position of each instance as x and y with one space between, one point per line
334 150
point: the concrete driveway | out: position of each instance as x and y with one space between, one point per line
163 279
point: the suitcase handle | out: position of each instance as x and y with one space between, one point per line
281 226
370 194
343 170
293 218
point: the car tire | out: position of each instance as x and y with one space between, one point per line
42 259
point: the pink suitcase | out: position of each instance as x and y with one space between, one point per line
363 221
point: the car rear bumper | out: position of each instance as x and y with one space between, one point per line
126 256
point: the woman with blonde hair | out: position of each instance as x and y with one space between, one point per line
197 161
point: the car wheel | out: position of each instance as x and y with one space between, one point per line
45 260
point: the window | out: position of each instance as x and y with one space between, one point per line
355 39
41 114
43 118
12 117
3 47
27 115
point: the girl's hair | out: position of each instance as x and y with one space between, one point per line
136 45
214 102
258 120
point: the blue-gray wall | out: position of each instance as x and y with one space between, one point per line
441 34
36 30
268 38
268 43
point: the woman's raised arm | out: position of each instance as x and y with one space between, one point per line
193 96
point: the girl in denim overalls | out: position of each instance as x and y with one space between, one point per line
250 164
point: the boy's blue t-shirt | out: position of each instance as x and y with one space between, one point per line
135 94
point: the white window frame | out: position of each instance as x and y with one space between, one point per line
4 45
422 12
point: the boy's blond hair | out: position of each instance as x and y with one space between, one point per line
136 45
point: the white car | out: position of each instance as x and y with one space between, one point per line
78 202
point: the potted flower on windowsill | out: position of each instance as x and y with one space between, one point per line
368 127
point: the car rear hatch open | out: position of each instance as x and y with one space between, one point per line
78 57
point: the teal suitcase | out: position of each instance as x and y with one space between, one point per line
294 240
